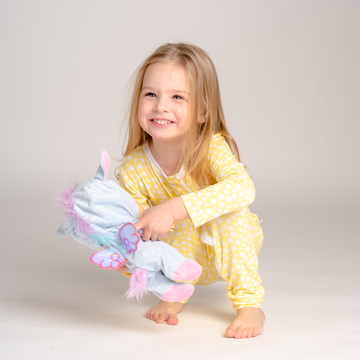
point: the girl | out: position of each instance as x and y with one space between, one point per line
181 165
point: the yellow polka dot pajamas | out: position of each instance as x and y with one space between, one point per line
222 235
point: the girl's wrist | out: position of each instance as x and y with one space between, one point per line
177 209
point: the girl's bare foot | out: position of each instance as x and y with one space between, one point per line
165 311
249 322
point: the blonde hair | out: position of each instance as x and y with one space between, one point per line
204 103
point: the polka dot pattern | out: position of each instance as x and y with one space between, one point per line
219 211
233 191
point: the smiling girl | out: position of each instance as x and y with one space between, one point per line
181 159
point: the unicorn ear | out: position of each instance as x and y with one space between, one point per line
63 231
102 172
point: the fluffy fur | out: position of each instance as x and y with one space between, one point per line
80 225
138 285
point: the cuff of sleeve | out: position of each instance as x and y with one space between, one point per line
194 209
141 210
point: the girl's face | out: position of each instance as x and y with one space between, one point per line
163 106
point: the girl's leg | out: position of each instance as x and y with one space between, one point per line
237 241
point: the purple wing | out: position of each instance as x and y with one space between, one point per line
129 236
106 259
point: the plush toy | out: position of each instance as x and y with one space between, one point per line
100 214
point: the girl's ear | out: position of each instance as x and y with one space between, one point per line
202 119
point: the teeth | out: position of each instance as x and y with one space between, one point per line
161 122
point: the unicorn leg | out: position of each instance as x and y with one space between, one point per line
157 255
166 289
178 292
154 281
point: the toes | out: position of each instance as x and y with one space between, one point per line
164 312
160 318
238 334
230 332
152 315
241 333
256 332
172 320
244 333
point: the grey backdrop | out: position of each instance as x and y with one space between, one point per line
290 83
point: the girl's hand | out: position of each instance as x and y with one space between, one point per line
123 269
156 221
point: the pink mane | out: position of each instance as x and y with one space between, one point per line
138 285
65 202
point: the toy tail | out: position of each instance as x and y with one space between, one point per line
138 285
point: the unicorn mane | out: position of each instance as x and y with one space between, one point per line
80 227
74 222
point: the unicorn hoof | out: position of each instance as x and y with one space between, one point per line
178 292
188 270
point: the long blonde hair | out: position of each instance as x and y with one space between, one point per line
204 103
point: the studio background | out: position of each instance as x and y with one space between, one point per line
289 77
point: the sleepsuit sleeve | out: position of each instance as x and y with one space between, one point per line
133 185
232 191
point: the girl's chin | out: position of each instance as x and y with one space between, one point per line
165 139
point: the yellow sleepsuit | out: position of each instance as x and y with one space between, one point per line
222 235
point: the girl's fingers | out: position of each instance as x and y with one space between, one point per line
154 228
138 225
146 235
154 237
123 269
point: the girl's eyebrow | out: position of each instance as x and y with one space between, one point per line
171 90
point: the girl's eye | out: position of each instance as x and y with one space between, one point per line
177 97
150 94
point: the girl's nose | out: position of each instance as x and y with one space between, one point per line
161 106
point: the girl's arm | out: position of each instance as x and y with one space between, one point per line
156 221
133 188
233 191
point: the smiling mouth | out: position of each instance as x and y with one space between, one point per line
161 122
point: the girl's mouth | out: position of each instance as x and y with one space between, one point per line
161 122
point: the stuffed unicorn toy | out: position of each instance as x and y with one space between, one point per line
100 215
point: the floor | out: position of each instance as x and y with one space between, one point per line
56 305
